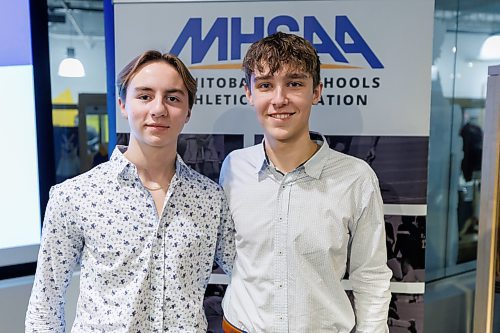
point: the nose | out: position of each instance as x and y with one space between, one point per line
279 97
158 108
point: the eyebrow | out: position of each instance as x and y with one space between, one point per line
262 77
297 76
169 91
288 76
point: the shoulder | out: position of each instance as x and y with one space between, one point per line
241 163
242 159
246 154
341 164
96 177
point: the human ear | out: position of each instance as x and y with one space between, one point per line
188 116
121 104
317 93
248 93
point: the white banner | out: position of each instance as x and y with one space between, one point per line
376 58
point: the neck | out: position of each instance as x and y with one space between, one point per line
155 166
288 155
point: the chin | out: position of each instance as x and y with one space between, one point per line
159 143
279 135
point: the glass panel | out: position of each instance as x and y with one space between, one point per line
67 160
97 138
457 111
455 150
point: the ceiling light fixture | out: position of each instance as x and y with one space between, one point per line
491 48
70 66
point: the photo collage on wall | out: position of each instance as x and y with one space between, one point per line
206 152
406 313
405 241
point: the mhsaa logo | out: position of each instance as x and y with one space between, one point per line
344 41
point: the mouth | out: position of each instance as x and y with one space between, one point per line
157 126
281 115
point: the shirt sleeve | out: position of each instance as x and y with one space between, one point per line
368 271
226 249
60 251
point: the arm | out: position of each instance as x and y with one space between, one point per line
368 271
226 243
59 253
226 250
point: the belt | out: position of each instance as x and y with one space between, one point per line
227 327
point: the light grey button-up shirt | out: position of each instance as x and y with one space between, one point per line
139 272
296 237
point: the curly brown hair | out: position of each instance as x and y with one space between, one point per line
282 49
133 67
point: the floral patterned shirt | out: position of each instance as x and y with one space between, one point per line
140 272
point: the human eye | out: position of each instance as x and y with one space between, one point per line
263 85
143 97
173 99
295 84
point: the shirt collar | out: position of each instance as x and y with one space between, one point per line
182 170
123 168
119 164
260 160
312 167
